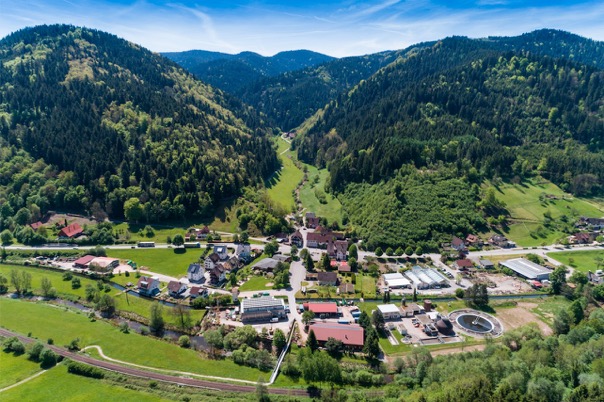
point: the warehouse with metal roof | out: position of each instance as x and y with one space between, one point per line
269 306
527 269
396 280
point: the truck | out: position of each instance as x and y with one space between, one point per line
191 244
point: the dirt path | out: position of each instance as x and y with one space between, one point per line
23 381
470 348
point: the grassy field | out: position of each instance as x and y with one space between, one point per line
548 307
526 209
331 209
283 182
42 319
172 262
15 368
58 385
365 284
582 260
56 278
256 283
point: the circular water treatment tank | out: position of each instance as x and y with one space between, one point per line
475 323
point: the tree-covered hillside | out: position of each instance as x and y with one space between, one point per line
503 114
231 72
88 121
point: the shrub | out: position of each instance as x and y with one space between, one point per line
459 293
85 370
14 345
184 341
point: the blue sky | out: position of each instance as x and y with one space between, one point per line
338 28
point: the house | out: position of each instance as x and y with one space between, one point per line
83 262
344 268
211 261
222 252
389 311
337 249
486 264
311 220
346 288
463 264
317 240
199 234
103 264
327 278
198 291
195 272
501 241
591 223
352 336
458 244
473 240
176 289
36 225
235 262
582 238
282 258
281 237
296 239
148 286
218 273
266 265
71 231
322 309
244 251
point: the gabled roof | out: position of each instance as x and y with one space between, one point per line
349 334
457 242
327 277
465 263
196 291
36 225
344 267
71 230
296 234
145 282
194 268
205 230
84 260
174 286
341 246
214 257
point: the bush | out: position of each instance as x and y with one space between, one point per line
85 370
67 276
48 358
124 327
459 293
184 341
144 331
14 345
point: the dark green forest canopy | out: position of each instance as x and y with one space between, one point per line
506 113
127 123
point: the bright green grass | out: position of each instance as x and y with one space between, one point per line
56 278
549 306
161 260
41 320
581 260
283 182
256 283
522 201
142 307
332 210
365 284
16 368
58 385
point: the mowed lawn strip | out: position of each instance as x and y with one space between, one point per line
256 283
16 368
167 261
58 385
584 260
284 181
45 321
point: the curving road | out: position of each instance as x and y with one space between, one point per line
191 382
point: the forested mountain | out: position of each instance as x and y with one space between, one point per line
459 104
88 121
231 72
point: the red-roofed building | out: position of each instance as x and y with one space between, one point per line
352 336
83 262
71 231
326 309
464 264
36 225
344 267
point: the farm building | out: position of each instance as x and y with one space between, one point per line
527 269
352 336
389 311
103 264
396 281
266 265
83 262
70 231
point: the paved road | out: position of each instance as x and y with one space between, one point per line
155 376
